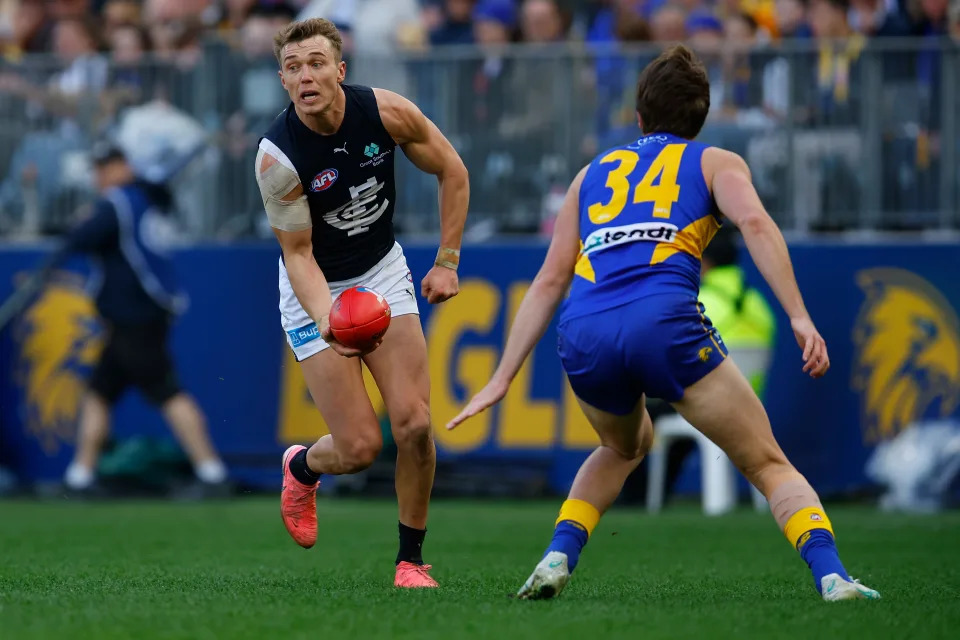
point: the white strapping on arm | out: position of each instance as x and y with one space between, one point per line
275 183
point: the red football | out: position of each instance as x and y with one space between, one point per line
359 317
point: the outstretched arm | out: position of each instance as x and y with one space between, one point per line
538 305
289 215
428 149
733 190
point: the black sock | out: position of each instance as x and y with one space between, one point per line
300 470
411 544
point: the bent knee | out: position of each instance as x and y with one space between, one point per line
632 446
360 453
412 424
646 435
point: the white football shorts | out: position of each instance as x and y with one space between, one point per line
390 277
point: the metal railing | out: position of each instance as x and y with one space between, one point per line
858 135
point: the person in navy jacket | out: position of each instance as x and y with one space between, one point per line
138 296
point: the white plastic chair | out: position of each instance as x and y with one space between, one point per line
718 476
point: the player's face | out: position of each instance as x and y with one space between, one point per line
112 174
311 74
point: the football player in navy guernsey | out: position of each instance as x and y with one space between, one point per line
325 169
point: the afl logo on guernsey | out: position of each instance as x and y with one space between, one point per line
323 180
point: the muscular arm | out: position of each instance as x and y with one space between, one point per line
729 180
307 280
289 215
428 149
729 177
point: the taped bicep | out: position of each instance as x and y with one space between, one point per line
282 194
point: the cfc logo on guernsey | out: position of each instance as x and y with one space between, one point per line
907 362
363 209
59 343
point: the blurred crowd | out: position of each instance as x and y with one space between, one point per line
174 28
155 70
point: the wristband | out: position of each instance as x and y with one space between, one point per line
447 258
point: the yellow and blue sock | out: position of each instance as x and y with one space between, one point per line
810 532
573 528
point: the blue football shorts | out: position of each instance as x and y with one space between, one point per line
657 345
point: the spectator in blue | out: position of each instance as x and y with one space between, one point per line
457 26
496 15
705 36
487 82
622 21
933 28
494 23
791 17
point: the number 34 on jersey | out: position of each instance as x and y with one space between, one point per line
658 185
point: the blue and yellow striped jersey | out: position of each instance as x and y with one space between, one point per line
646 216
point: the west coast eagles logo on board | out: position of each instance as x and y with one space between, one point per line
59 341
907 361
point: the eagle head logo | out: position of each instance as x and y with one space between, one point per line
59 343
907 361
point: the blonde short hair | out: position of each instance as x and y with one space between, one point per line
304 30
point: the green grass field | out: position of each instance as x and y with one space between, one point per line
228 570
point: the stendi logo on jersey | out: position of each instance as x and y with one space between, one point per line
363 209
323 180
612 236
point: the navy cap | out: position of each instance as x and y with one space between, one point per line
703 21
106 151
501 11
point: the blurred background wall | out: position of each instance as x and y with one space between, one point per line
847 112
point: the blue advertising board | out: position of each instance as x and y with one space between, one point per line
886 310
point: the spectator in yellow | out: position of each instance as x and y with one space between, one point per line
763 12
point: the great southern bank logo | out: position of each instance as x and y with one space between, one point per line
376 156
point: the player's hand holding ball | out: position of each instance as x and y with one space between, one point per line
357 322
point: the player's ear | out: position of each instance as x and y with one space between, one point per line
341 71
639 121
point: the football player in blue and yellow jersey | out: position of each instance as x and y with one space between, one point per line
627 247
